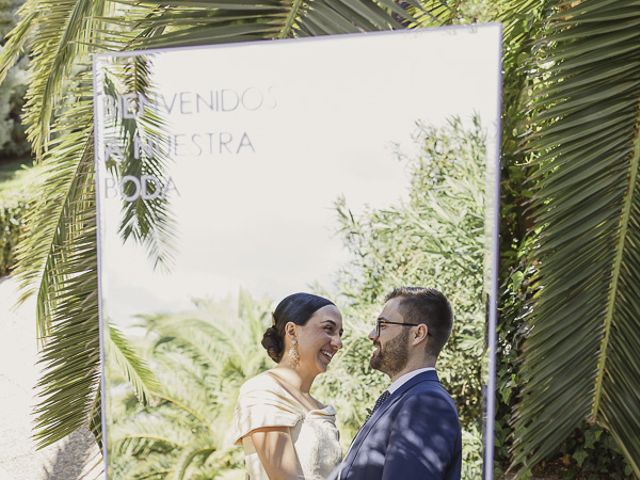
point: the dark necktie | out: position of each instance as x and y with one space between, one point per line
381 399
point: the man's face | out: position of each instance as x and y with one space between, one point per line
391 347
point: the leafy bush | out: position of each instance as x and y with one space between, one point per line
13 142
11 224
18 188
436 239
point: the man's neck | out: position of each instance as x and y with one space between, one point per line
411 366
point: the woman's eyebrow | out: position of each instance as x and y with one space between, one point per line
334 324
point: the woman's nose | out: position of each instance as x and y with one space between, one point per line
337 342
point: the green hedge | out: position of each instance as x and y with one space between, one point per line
12 223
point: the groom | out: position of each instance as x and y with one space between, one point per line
413 431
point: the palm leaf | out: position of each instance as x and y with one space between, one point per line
206 341
580 360
57 220
198 448
164 426
17 39
119 350
190 354
193 22
144 152
67 298
64 29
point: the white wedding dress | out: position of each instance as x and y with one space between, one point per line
264 402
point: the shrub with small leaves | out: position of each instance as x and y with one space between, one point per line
11 225
435 238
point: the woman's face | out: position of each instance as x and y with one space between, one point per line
319 339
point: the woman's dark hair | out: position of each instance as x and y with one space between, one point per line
297 308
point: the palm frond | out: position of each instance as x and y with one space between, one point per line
95 418
195 359
144 152
63 34
188 332
188 23
162 426
69 292
579 360
120 351
198 448
185 393
170 24
356 16
58 254
17 38
57 221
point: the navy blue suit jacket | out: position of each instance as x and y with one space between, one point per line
415 434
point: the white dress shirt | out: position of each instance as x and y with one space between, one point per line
406 377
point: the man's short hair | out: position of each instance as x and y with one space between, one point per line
428 306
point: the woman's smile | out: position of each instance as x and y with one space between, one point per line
326 356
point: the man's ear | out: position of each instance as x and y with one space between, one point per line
420 334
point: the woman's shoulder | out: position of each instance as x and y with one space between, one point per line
263 403
269 385
264 381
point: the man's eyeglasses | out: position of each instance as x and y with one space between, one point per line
386 322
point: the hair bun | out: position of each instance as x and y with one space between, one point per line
273 344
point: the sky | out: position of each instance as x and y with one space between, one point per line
266 137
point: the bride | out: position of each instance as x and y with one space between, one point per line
285 432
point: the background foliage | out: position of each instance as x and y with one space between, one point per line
443 213
11 225
13 142
18 189
15 193
199 360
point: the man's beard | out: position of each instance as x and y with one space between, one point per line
393 357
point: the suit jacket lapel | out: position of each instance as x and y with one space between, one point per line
395 396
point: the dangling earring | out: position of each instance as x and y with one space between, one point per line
294 356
